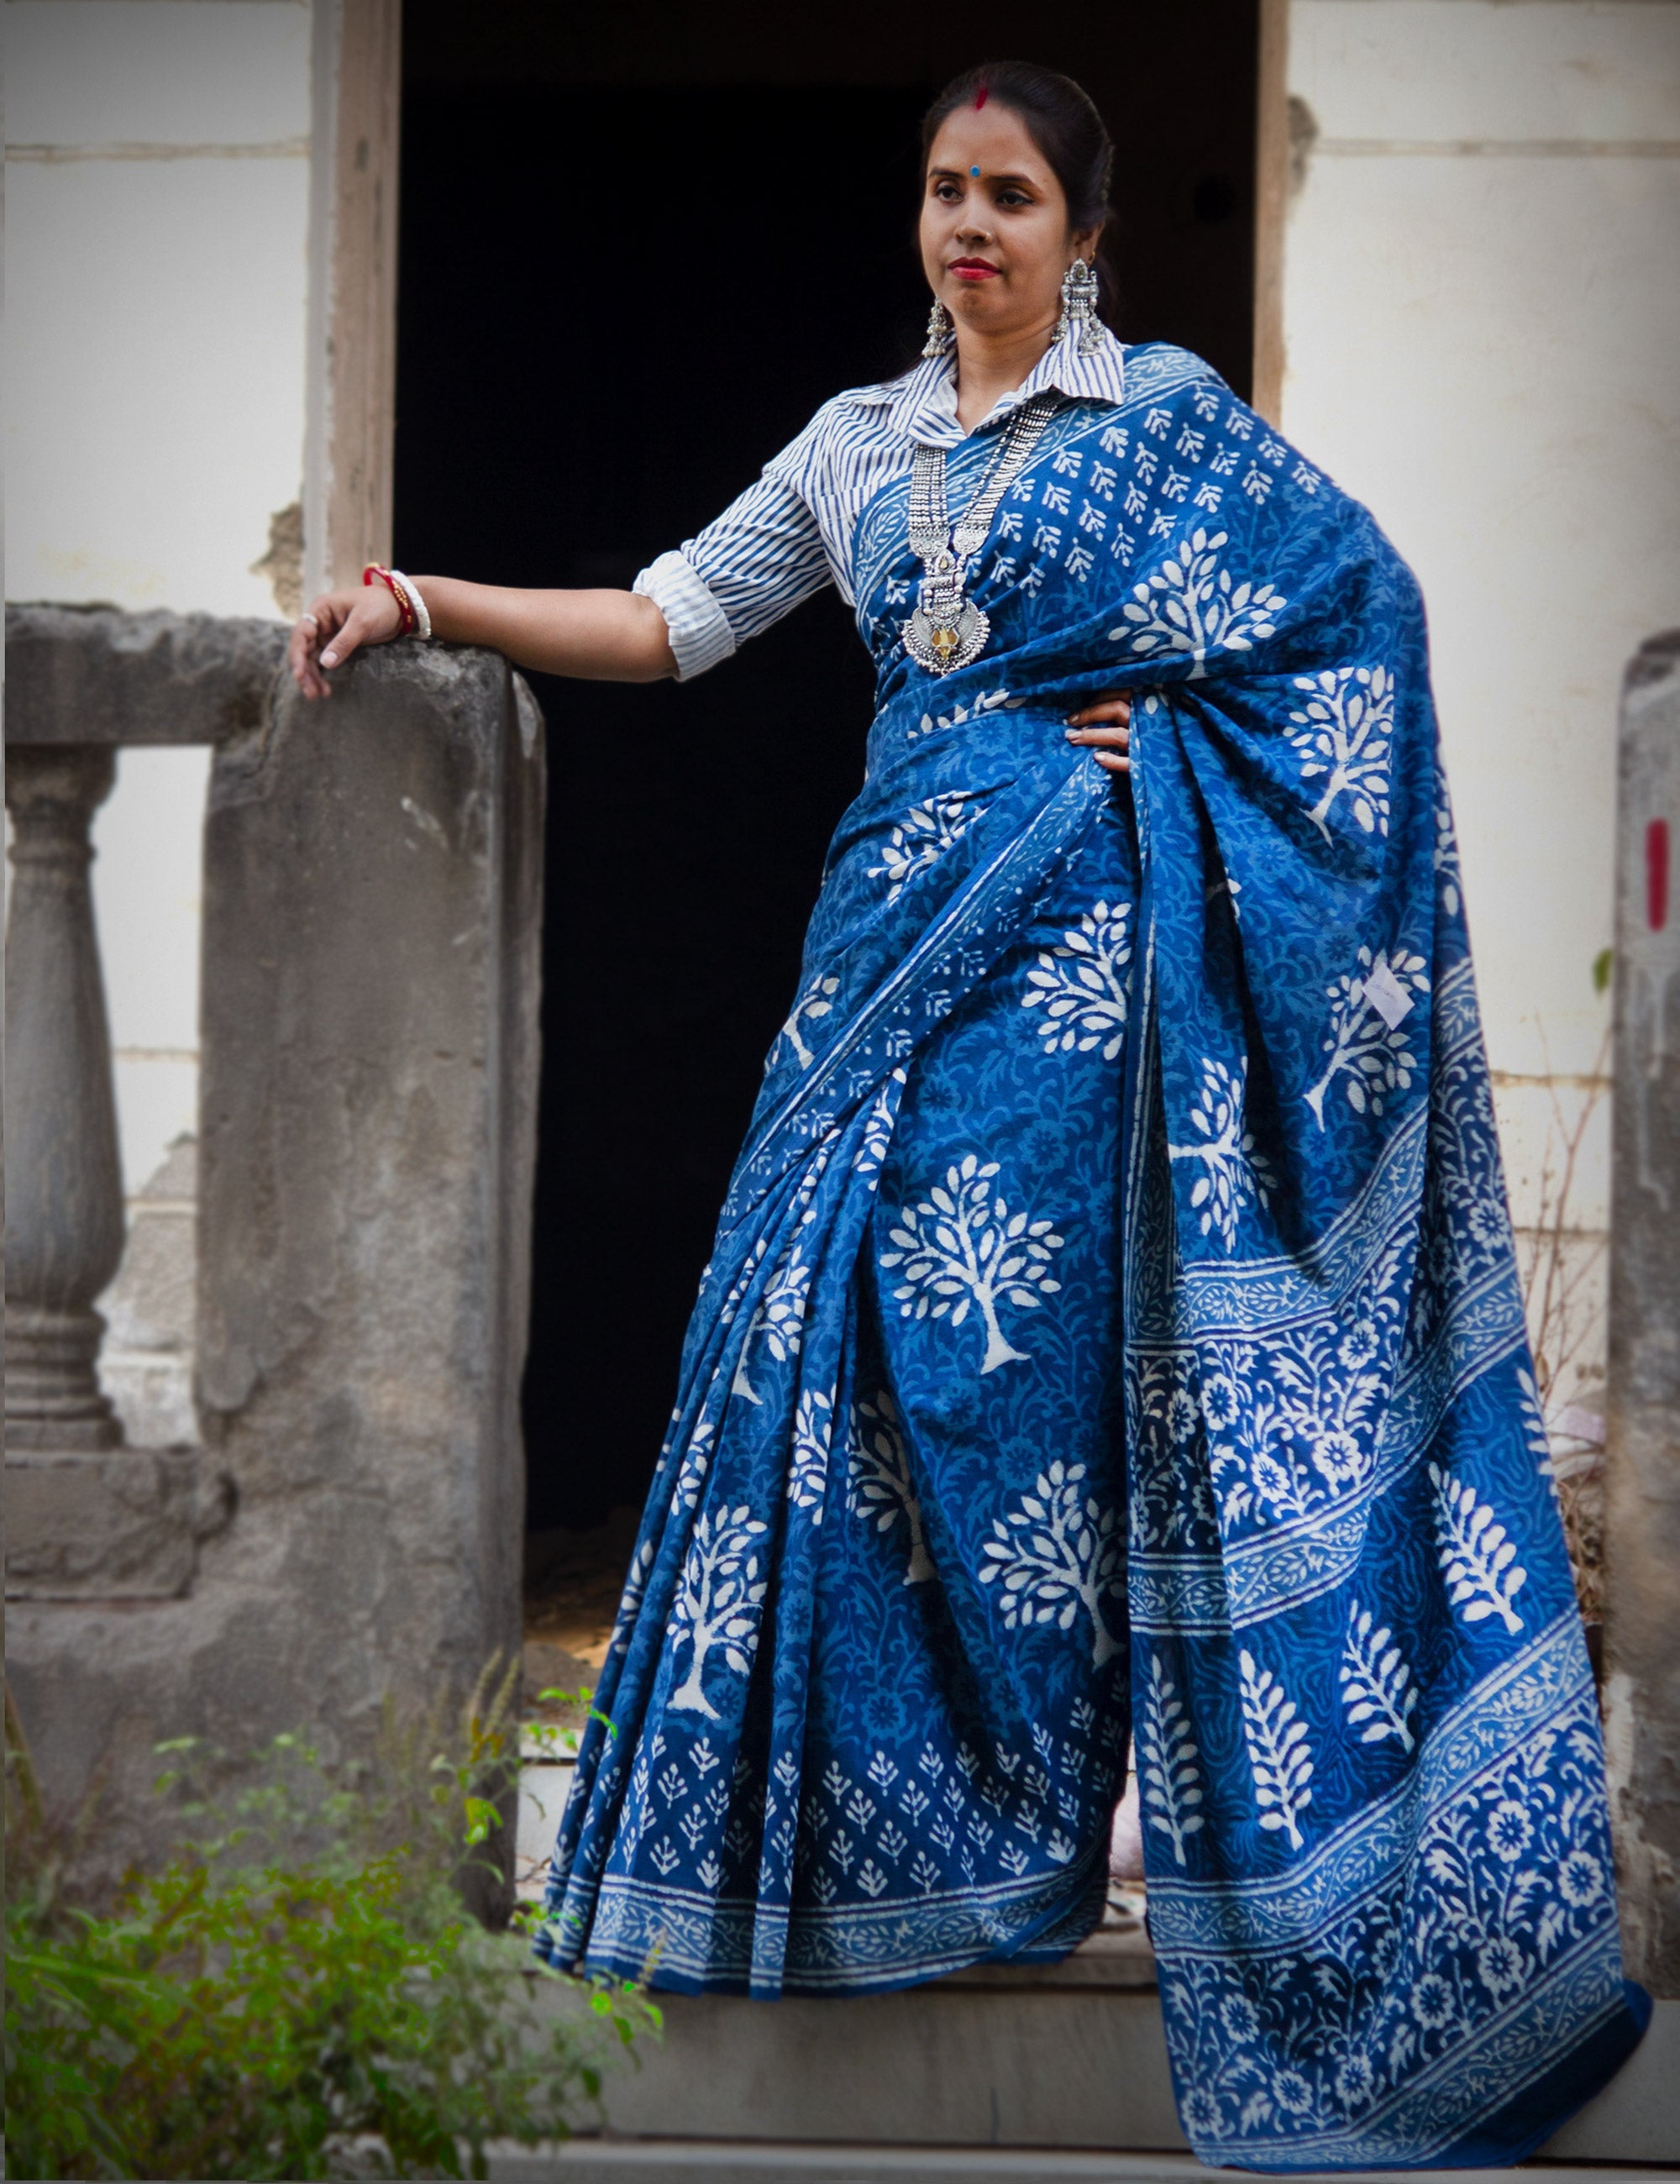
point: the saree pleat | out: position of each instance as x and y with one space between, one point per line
1113 1327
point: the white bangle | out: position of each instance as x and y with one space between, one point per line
422 619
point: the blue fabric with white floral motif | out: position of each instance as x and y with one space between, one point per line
1114 1325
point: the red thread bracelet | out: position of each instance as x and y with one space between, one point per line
408 621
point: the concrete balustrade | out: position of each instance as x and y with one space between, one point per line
86 1517
345 1531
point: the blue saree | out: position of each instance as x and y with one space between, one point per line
1113 1329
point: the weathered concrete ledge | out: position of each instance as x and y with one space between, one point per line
95 675
118 1524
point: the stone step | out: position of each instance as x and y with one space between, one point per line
1062 2059
1058 2058
593 2161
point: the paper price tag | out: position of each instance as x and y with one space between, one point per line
1387 995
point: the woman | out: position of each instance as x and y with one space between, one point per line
1113 1322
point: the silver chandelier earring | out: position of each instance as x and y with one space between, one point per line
1079 308
940 329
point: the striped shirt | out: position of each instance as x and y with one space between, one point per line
790 533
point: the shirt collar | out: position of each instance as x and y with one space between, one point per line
923 403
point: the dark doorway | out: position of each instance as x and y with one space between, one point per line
639 247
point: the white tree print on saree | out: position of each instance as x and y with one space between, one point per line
1081 986
696 1460
878 1128
813 1428
1236 1174
961 1246
1280 1757
816 1001
1446 861
1483 1576
988 701
718 1601
629 1601
1167 1773
1377 1685
1190 608
881 1488
779 1317
1343 731
923 835
1056 1553
1363 1041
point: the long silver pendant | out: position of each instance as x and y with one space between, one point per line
947 630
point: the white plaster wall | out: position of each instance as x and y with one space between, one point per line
1482 319
157 230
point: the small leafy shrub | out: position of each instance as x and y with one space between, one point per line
300 1993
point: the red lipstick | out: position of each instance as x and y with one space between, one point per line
972 268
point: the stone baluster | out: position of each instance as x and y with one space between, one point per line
64 1179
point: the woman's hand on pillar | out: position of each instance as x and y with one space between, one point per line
605 636
336 624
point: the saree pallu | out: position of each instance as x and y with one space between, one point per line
1113 1327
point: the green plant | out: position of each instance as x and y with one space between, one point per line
299 1992
556 1740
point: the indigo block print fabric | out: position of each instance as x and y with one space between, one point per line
1113 1327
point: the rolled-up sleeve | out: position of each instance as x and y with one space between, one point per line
700 635
748 568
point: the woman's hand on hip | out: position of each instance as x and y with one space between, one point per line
1105 729
338 624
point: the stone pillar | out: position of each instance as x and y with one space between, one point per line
1642 1516
371 969
63 1195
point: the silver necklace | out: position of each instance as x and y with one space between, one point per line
947 630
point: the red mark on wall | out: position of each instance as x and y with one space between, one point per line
1656 874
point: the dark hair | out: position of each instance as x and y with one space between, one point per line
1067 130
